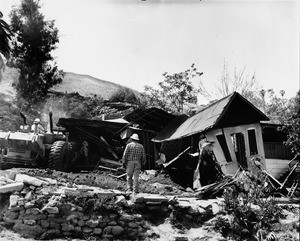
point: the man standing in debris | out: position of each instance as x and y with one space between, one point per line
209 168
133 158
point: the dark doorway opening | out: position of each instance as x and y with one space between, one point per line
239 149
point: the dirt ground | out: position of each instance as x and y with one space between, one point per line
157 183
150 181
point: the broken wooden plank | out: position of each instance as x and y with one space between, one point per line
176 158
122 175
273 179
12 187
155 198
288 176
283 200
110 162
108 168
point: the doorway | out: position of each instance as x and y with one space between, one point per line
239 149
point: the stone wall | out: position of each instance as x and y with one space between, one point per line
45 216
44 208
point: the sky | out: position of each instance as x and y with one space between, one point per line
133 42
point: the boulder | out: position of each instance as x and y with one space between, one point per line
51 210
8 174
32 211
29 222
11 215
92 223
51 234
97 231
107 230
12 187
28 205
87 230
13 201
32 181
67 227
133 225
28 231
72 216
77 229
117 230
45 223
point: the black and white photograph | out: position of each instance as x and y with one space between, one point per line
165 120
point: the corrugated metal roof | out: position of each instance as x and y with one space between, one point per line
169 129
205 119
152 118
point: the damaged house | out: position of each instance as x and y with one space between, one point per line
278 156
233 123
147 123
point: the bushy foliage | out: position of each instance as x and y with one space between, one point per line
9 119
174 91
249 206
124 95
34 39
292 126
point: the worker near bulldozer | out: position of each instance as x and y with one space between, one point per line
134 158
36 127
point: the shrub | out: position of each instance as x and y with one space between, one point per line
251 209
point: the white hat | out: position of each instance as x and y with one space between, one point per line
37 120
207 143
135 137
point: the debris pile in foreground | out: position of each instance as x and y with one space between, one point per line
37 206
45 208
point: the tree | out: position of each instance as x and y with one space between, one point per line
292 126
239 82
174 90
34 39
124 95
274 105
5 37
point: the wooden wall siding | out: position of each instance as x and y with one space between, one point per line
277 167
232 167
277 150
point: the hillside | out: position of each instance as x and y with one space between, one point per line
87 85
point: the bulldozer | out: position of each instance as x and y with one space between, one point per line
34 147
73 145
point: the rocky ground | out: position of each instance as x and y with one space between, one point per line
150 181
165 228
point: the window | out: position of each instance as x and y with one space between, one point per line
223 144
252 142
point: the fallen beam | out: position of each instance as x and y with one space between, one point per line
176 158
122 175
112 162
108 168
12 187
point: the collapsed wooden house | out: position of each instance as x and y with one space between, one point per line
233 123
147 123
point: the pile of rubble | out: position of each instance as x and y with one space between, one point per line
44 204
44 208
39 207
